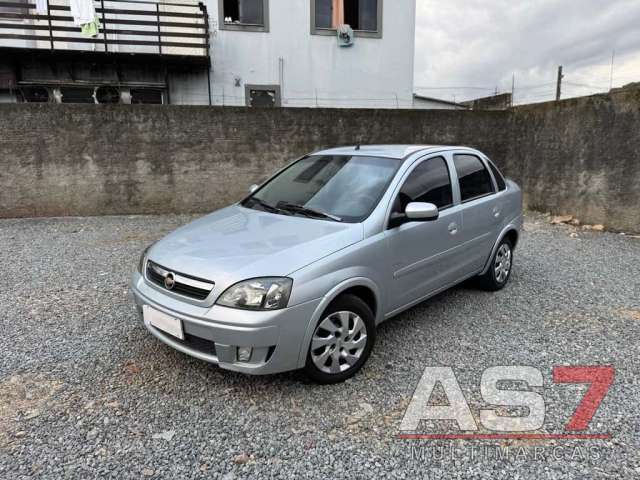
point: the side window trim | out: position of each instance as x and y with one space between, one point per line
485 165
478 197
490 164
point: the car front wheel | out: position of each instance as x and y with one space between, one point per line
341 341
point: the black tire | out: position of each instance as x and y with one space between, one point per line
491 281
344 303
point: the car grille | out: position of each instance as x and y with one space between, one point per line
196 343
182 284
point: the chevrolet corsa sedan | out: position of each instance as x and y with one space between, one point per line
300 272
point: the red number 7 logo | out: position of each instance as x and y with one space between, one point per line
599 379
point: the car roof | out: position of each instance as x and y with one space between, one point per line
390 151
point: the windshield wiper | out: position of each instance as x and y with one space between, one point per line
266 206
293 207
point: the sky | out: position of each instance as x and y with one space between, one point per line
469 48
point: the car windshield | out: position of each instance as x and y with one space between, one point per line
333 187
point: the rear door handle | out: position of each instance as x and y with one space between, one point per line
496 212
453 228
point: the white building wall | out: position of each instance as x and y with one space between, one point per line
312 70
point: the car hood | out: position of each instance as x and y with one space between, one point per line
237 243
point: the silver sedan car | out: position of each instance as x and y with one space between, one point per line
299 273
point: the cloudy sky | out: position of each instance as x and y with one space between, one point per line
467 48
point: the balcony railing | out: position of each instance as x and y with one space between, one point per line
128 26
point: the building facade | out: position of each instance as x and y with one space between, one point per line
222 52
289 50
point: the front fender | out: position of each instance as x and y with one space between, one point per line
324 303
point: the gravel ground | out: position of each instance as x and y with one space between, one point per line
85 392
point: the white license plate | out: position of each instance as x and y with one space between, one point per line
162 321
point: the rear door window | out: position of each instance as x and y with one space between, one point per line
473 177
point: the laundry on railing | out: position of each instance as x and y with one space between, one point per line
91 29
82 11
124 26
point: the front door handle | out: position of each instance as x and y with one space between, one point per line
453 228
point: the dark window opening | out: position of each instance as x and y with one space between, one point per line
262 95
107 95
358 14
263 98
428 182
231 11
474 178
146 95
243 12
35 94
351 14
498 176
77 95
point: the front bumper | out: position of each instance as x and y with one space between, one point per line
213 334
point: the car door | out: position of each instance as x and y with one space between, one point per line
423 255
481 209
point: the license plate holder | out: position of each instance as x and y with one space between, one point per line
162 321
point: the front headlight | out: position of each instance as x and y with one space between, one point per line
143 257
268 293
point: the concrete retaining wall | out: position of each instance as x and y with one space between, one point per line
578 156
96 159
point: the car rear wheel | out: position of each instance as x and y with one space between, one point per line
341 341
497 276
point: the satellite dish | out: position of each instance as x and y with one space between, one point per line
345 35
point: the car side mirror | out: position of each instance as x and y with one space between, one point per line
421 212
253 188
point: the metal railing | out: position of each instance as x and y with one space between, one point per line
138 26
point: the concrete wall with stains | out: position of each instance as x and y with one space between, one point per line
575 157
121 159
580 157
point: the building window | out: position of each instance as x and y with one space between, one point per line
363 16
35 94
248 15
77 95
146 96
262 95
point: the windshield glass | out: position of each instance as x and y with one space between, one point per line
347 187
